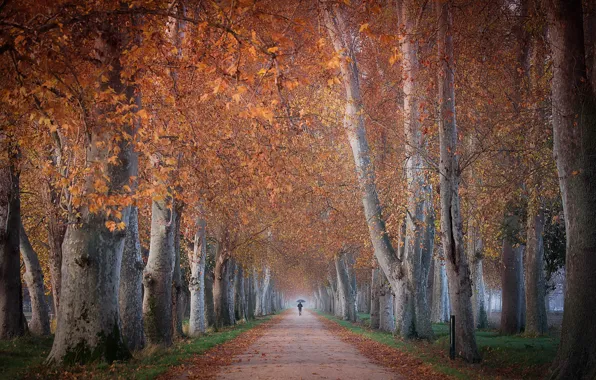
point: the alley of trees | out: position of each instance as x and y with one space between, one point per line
212 160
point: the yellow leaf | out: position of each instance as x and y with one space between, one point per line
363 27
273 49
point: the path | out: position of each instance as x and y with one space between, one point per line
299 347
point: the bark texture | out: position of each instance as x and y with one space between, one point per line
157 278
440 293
458 272
197 323
88 326
56 230
511 277
223 288
475 255
130 294
375 306
574 123
414 321
40 312
178 285
12 321
536 319
345 287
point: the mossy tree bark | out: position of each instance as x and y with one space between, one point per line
88 326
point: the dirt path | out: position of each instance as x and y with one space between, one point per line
299 347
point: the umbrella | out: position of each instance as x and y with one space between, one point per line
301 301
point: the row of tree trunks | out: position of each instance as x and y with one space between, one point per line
414 317
340 33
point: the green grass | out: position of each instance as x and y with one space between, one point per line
24 357
499 351
18 354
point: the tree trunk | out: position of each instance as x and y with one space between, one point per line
475 256
536 318
224 313
511 291
239 296
197 325
12 322
414 320
40 313
209 303
177 281
440 298
56 226
130 295
375 294
251 302
574 122
386 309
460 287
346 296
157 279
341 36
88 326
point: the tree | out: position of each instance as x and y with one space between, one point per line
40 313
574 125
88 326
458 272
157 278
130 294
415 321
12 320
340 34
197 321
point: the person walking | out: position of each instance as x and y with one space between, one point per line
299 308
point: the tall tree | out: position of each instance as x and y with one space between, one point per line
341 35
88 326
415 321
574 124
12 321
40 312
458 272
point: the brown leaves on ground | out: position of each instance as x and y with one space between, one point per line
207 364
407 365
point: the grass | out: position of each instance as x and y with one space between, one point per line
502 355
18 354
24 357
